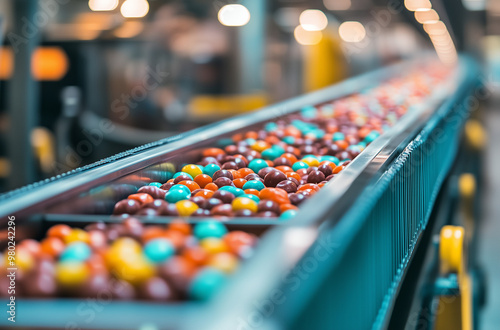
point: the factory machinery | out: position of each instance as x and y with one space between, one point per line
388 243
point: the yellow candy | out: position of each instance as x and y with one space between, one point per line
226 262
243 203
135 269
192 170
24 259
214 245
311 161
122 249
77 235
71 273
186 207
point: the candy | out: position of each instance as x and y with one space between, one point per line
70 273
158 250
242 203
209 229
186 207
77 251
206 283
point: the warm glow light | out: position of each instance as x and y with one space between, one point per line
129 29
414 5
134 8
427 16
352 31
306 38
435 28
233 15
49 63
6 63
313 20
103 5
337 4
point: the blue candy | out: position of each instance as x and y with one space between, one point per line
155 184
254 184
288 214
210 169
159 250
257 164
209 229
77 251
206 283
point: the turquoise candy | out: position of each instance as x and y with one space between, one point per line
155 184
233 190
225 142
159 250
270 127
210 169
252 197
257 164
289 140
180 173
206 283
180 187
288 214
209 229
270 154
77 251
310 156
250 141
298 165
372 136
177 194
329 158
338 136
278 150
309 112
254 184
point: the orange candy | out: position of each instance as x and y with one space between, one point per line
290 157
243 172
292 131
150 233
331 164
294 175
235 173
342 144
338 169
284 168
236 240
211 186
196 254
205 193
31 245
309 186
252 192
270 163
202 180
190 184
52 246
213 152
275 194
175 237
239 183
142 198
363 132
252 135
59 231
286 207
180 226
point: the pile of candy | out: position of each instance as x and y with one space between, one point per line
269 173
266 173
129 261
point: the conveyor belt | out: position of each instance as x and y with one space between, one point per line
368 222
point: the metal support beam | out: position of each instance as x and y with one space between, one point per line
22 93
